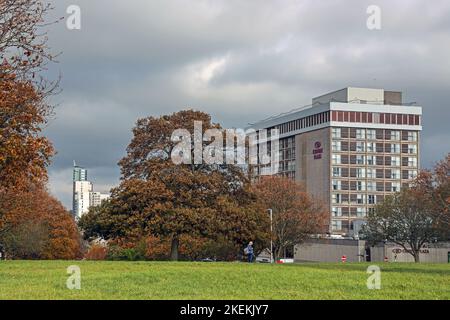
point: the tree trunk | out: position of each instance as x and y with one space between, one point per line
174 249
417 256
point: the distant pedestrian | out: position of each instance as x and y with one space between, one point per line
249 252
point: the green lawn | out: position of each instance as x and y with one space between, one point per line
184 280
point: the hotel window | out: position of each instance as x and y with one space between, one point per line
336 133
395 186
388 187
360 146
360 212
336 158
336 185
395 148
395 161
337 212
395 135
371 134
380 186
412 148
412 136
336 198
370 147
376 117
360 134
336 172
360 185
336 146
412 162
370 160
360 172
336 225
395 174
371 199
360 159
360 198
371 173
380 147
412 174
371 186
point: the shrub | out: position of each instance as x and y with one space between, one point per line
96 252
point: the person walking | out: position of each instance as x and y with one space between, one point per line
249 251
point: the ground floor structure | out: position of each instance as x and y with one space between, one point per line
350 250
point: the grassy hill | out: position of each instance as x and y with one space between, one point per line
184 280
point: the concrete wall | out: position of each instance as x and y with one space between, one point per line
331 250
431 254
366 94
392 97
313 173
351 94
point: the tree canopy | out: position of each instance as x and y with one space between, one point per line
162 198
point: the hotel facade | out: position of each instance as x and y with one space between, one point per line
350 149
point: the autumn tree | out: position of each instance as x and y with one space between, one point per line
160 197
24 49
435 186
24 110
24 152
34 225
296 215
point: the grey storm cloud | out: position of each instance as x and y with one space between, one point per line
241 61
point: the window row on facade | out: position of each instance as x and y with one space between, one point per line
373 173
373 134
376 117
341 225
356 212
346 185
305 122
373 147
356 199
371 160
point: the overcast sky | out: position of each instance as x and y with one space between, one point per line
238 60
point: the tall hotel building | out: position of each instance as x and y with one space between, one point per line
350 149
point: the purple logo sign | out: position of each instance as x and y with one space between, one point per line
318 150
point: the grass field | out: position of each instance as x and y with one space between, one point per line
183 280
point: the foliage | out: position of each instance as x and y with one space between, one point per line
405 218
435 186
416 215
34 225
296 215
24 153
23 39
160 198
96 252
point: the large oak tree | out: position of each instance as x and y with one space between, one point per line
162 198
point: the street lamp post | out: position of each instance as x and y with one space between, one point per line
271 232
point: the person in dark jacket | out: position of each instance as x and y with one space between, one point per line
250 252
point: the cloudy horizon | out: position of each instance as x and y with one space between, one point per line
240 61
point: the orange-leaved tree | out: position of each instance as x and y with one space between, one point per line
24 152
162 198
296 214
34 225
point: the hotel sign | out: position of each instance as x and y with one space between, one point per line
318 150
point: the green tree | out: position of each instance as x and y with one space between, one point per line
405 218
